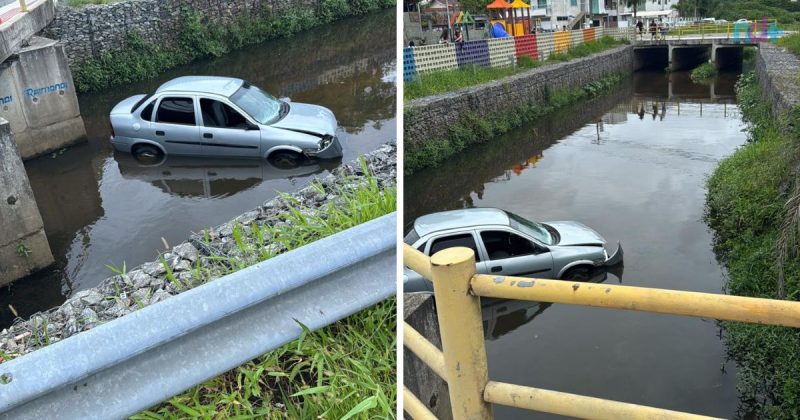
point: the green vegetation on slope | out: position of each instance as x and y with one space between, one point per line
347 368
792 42
747 195
451 80
197 38
473 128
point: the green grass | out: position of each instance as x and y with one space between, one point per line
345 369
199 38
704 72
452 80
473 128
746 201
792 42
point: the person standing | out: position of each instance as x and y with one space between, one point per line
640 29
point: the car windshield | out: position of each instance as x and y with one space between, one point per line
260 105
537 230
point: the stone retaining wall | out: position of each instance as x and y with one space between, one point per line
432 116
148 284
778 71
93 30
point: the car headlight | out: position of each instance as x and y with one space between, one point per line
325 142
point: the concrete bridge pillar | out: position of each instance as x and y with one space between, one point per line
24 248
38 99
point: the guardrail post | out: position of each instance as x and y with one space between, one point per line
461 326
22 6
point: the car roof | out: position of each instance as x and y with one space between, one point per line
225 86
455 219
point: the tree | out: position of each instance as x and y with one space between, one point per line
635 4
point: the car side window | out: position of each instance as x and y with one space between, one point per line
176 111
500 244
465 240
421 248
220 115
147 112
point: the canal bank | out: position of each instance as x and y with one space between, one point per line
439 126
752 206
251 237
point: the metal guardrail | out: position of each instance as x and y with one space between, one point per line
137 361
462 362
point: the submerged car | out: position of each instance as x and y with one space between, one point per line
222 117
509 245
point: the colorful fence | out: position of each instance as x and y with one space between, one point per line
499 52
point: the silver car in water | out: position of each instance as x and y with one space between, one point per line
222 117
509 245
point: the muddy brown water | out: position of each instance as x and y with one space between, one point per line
632 165
103 208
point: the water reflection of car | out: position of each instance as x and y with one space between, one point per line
207 177
221 116
509 245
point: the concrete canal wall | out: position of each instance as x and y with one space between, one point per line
187 263
23 245
432 118
777 74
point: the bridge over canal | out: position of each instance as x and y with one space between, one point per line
687 53
39 114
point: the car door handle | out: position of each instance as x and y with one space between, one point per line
497 269
160 133
208 136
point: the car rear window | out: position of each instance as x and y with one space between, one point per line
147 112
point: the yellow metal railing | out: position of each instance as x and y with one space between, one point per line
462 360
23 7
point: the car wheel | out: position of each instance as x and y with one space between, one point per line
147 153
580 273
285 159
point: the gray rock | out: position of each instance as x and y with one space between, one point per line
89 297
159 295
186 251
88 316
140 279
154 269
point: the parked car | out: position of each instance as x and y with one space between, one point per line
510 245
743 21
222 117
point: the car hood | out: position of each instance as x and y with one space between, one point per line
574 234
310 119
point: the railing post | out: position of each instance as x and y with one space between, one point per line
461 327
22 6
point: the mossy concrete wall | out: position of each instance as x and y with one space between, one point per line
93 30
777 71
23 245
432 116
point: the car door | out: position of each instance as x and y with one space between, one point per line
450 240
511 254
175 125
226 132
